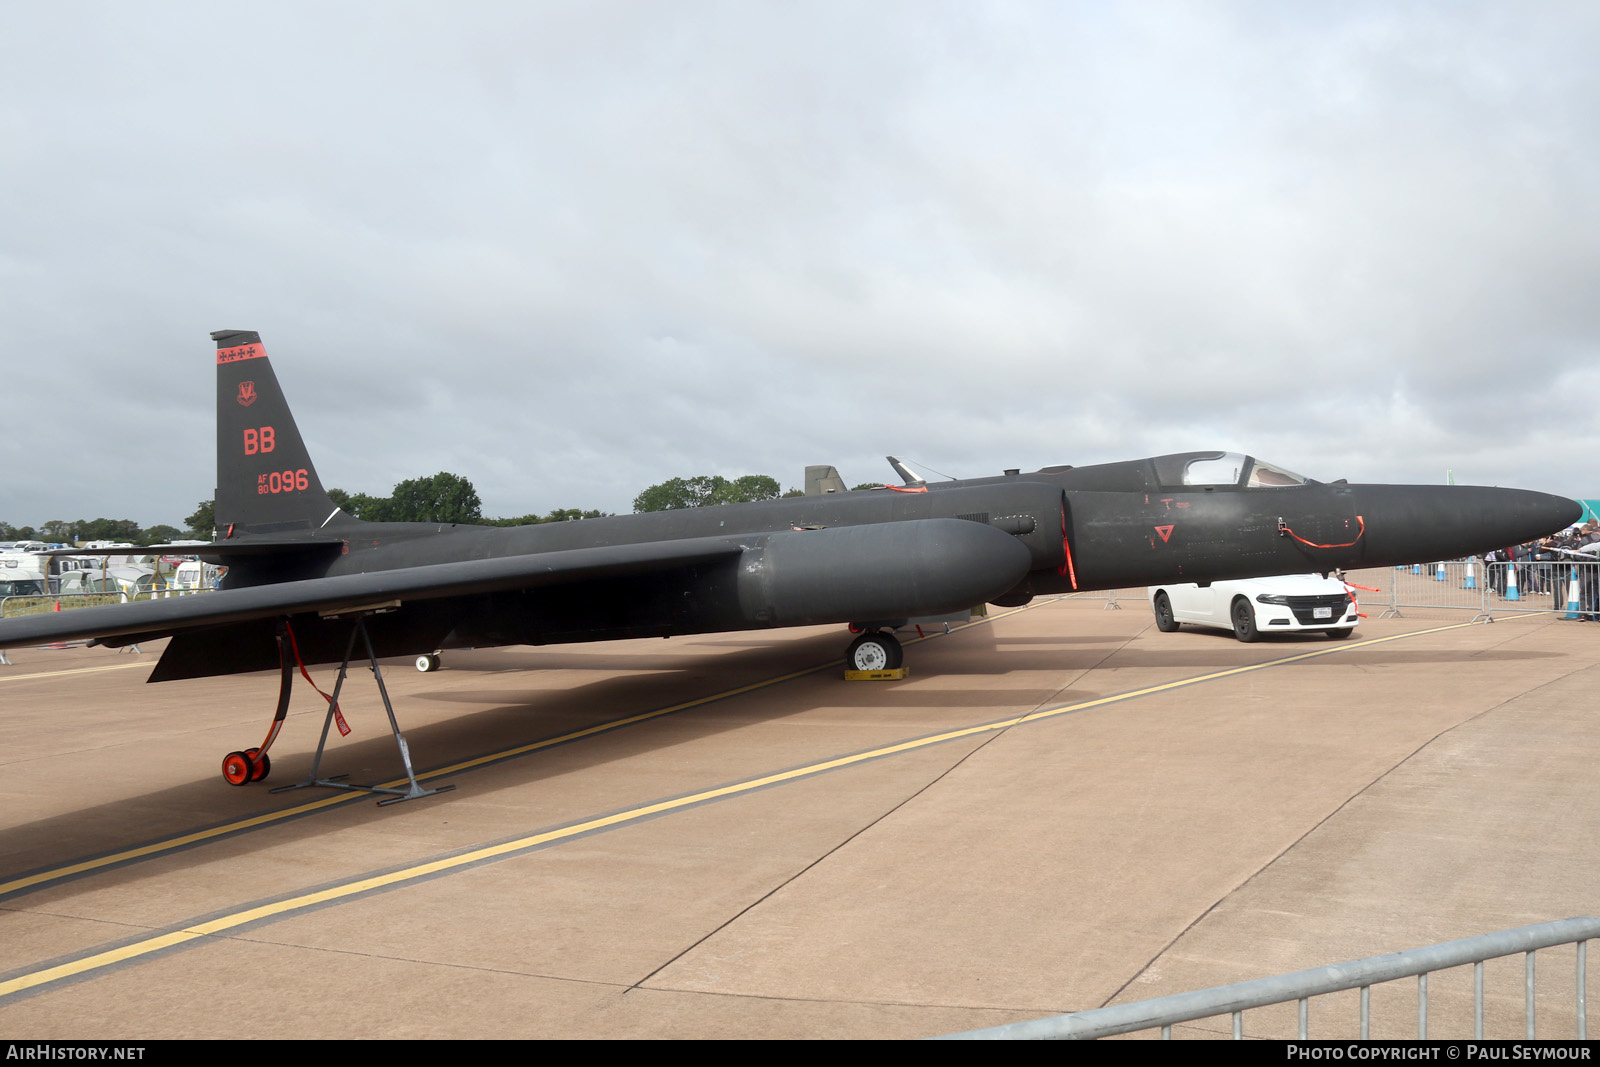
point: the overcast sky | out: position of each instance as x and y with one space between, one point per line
568 250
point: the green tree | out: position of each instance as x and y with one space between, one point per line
675 494
203 523
160 535
748 490
444 497
9 532
107 530
441 498
704 490
557 515
370 508
362 506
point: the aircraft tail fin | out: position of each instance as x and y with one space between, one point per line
822 478
266 482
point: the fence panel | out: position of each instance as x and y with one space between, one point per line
1569 587
45 603
1298 989
1456 584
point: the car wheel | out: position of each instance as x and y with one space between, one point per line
1164 620
1244 620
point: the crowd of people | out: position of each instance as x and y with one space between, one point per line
1545 568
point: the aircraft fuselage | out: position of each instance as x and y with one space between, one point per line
816 559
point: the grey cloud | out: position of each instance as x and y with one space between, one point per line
569 250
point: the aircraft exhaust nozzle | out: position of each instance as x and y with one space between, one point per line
1412 523
889 570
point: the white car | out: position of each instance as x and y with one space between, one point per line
1256 606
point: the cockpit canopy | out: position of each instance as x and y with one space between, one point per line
1222 468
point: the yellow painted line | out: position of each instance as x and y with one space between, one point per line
281 908
74 670
156 848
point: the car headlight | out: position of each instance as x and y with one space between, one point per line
1271 598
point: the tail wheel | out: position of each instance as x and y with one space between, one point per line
428 664
237 768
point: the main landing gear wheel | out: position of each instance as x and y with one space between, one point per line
1244 620
874 652
428 664
1165 621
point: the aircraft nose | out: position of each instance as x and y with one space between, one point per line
1422 523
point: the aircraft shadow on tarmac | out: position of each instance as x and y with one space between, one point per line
525 716
520 717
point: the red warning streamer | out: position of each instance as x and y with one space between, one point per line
1351 587
338 716
1283 527
1066 549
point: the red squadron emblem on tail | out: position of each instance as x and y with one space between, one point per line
247 393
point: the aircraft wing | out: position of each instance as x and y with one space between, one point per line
212 552
154 618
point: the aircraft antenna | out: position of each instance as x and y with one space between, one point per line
895 460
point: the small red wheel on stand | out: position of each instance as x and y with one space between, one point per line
237 768
260 763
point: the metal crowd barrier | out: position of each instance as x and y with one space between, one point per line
43 603
1301 986
1454 584
40 604
1568 587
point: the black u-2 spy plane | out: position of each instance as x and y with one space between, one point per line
305 580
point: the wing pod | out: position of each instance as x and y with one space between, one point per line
892 570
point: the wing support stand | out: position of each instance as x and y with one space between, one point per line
391 796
